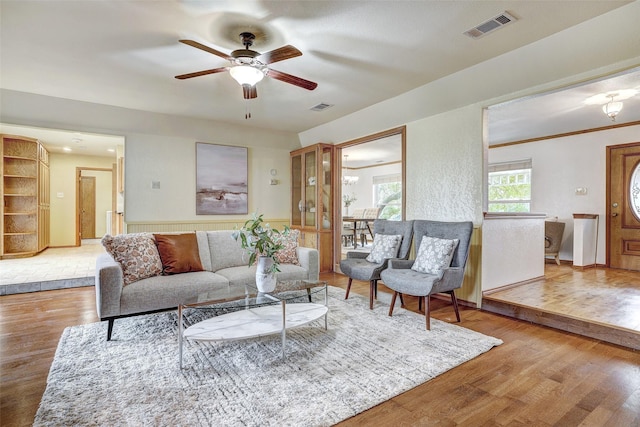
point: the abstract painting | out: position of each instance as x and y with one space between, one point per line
221 179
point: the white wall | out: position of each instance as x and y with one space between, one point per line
445 167
560 166
162 147
171 160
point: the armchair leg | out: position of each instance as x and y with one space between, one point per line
454 300
109 328
348 288
557 259
427 310
373 290
393 302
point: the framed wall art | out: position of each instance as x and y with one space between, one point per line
221 179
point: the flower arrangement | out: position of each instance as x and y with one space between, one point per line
348 199
259 239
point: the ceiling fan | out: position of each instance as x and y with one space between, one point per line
248 67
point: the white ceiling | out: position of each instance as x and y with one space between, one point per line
126 53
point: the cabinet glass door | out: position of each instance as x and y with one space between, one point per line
311 203
297 202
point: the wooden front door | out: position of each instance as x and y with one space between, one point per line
87 207
623 206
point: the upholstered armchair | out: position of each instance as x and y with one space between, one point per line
356 266
438 267
553 232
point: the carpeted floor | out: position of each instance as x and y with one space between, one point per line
363 359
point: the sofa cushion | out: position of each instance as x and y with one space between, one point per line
288 254
434 255
225 251
178 253
162 292
243 275
203 249
136 253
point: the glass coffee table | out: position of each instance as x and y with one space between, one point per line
249 313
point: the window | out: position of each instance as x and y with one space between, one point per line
387 194
510 186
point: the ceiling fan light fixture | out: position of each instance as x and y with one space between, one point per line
246 74
612 108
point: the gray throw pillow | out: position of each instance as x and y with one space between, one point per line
384 246
434 255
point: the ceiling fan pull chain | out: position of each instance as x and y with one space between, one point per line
247 113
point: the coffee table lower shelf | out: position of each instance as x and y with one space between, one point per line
256 322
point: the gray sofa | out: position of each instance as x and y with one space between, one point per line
224 263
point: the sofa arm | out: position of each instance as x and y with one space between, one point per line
310 261
109 283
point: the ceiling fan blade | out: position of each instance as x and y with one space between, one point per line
249 91
280 54
205 48
288 78
201 73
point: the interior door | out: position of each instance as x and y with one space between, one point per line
623 206
87 207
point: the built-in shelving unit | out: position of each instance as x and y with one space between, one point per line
311 199
25 184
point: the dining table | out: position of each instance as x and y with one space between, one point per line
354 222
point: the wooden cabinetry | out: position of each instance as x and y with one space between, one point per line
312 198
25 184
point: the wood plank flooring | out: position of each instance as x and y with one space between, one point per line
600 303
539 376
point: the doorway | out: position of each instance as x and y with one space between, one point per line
623 206
95 202
87 209
366 164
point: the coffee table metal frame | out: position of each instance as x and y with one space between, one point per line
234 298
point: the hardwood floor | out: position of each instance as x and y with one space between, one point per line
601 303
539 376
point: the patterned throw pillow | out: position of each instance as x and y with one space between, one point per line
136 253
434 255
288 254
384 246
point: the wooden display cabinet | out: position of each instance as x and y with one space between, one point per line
25 183
312 198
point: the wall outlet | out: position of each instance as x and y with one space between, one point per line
581 191
155 185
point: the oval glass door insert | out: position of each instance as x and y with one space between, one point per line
634 190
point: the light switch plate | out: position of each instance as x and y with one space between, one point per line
155 185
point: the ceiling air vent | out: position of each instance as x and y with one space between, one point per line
491 25
321 106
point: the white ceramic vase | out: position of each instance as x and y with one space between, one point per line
265 281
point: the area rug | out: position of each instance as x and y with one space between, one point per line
364 358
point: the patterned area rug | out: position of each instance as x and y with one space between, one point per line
363 359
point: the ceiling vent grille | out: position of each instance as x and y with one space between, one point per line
320 107
491 25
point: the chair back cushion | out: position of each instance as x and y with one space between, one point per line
404 228
447 230
384 246
434 255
